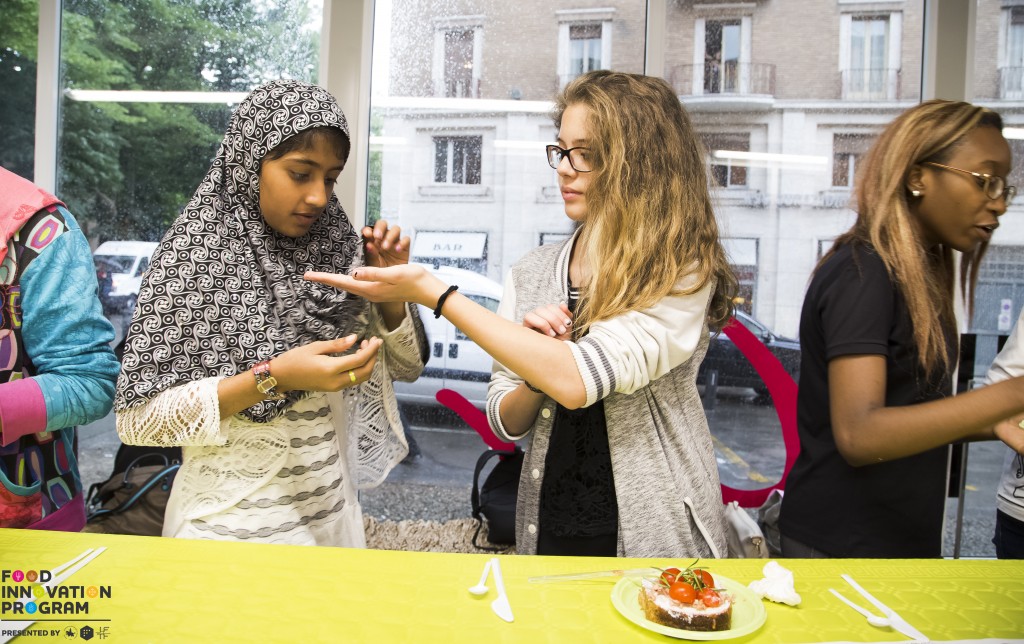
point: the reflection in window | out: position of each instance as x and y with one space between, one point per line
18 80
742 254
457 159
847 152
1011 73
584 41
130 166
584 48
458 64
727 171
871 70
721 56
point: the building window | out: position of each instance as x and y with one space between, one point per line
584 41
458 63
721 56
742 253
847 152
869 56
457 159
584 48
727 171
457 57
1011 71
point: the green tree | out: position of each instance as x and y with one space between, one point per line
127 169
18 80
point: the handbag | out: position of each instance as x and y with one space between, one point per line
768 520
743 534
495 499
133 501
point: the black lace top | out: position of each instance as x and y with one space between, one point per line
577 497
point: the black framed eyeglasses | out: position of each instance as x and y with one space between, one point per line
578 157
994 187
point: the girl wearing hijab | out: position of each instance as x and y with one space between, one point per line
57 369
278 390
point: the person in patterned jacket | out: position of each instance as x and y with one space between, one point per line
278 391
57 369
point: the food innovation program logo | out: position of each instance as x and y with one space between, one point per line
26 600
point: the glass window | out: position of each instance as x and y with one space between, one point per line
1011 71
721 56
457 159
847 151
585 48
728 169
585 38
18 36
458 63
129 160
870 56
998 60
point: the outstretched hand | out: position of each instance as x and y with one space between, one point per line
1010 432
313 367
384 245
400 283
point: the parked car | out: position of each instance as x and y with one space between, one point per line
126 261
456 362
734 370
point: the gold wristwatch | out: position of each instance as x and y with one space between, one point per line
266 383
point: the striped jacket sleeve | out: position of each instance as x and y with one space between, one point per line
629 351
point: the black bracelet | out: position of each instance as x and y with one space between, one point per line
532 388
444 296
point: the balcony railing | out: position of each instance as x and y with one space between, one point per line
870 84
1011 82
729 78
461 88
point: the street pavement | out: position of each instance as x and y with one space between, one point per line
435 484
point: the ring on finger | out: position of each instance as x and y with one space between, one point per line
352 376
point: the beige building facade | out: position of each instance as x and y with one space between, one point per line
787 94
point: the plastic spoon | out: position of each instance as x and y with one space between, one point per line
481 588
874 620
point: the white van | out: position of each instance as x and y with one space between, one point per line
456 362
126 261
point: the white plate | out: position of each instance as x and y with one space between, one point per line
748 613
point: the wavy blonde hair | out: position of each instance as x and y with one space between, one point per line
930 131
649 221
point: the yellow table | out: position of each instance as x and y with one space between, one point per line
170 590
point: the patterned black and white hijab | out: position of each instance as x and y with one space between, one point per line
224 290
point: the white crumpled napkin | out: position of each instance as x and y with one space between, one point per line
777 585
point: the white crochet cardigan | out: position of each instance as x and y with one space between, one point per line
226 459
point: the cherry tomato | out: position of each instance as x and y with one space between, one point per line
710 597
669 576
705 577
682 592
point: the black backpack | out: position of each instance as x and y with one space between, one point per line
495 500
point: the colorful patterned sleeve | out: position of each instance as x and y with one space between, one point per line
65 333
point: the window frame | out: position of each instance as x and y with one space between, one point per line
437 73
568 18
893 56
718 14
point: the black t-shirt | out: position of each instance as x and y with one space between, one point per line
578 492
889 509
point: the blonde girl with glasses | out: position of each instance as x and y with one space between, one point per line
879 337
599 338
